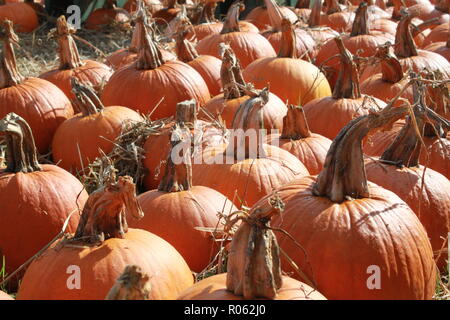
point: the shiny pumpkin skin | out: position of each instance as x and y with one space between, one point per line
87 135
438 34
102 18
125 57
248 46
343 240
293 80
35 206
22 15
305 44
259 16
209 68
342 111
203 30
92 73
214 288
430 202
42 104
184 211
439 48
174 81
100 266
375 86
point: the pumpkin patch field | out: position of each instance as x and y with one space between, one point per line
175 150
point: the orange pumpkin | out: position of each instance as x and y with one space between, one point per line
427 11
261 17
161 84
438 34
92 259
296 138
107 16
337 17
293 80
90 72
248 46
42 104
352 231
22 15
78 141
36 199
316 30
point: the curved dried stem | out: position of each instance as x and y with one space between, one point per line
9 74
86 100
347 84
150 56
295 126
69 58
288 47
404 41
231 23
361 22
316 14
391 69
231 73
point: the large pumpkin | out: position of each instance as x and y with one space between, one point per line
78 141
42 104
35 199
153 85
337 17
352 238
86 265
321 34
89 72
22 15
293 80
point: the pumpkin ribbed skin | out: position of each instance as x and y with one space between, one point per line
209 68
87 135
22 15
259 16
100 266
92 73
385 91
201 31
184 211
430 201
439 48
214 288
42 104
125 57
174 81
438 34
342 240
306 45
34 208
339 21
102 18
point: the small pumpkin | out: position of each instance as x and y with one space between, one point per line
22 15
107 16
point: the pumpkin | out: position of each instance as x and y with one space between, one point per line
225 105
361 41
42 104
260 16
345 104
293 80
207 66
5 296
184 207
423 190
319 33
161 84
132 284
296 138
305 44
90 72
390 82
442 48
107 16
22 15
336 17
36 199
351 231
409 56
101 248
152 5
157 146
427 11
78 141
438 34
246 169
168 13
302 10
253 268
248 46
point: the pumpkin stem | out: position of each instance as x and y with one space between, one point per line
132 284
431 23
69 58
254 269
391 69
398 5
178 174
86 100
150 56
231 23
185 49
295 126
275 15
9 74
231 74
105 213
404 42
207 15
139 18
316 14
248 123
361 22
347 84
438 100
288 48
21 151
333 6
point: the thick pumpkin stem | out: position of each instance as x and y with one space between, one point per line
21 153
391 69
316 14
150 57
69 58
275 15
404 42
186 114
105 212
231 74
133 284
254 269
207 15
333 6
86 100
140 17
9 74
231 23
347 84
396 13
361 22
288 47
438 98
185 49
431 23
295 126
